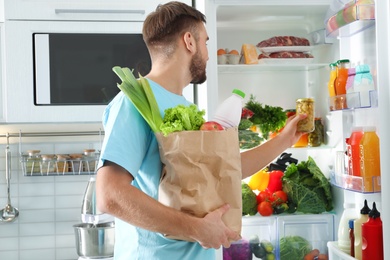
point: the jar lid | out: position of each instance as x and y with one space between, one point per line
33 152
89 150
47 156
343 61
305 100
75 156
62 156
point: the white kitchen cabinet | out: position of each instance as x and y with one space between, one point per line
95 10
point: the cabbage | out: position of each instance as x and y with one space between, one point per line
294 247
307 187
239 250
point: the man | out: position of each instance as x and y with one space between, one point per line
130 166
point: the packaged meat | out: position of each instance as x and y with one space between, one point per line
285 55
284 41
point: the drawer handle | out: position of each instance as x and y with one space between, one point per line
97 11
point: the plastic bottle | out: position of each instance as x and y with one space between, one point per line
353 151
352 237
228 113
364 84
369 158
340 83
358 229
332 77
344 243
372 236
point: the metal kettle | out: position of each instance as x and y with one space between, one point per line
89 211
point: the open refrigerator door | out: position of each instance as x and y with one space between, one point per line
336 30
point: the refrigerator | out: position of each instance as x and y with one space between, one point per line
364 40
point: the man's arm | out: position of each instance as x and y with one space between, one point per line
116 196
257 158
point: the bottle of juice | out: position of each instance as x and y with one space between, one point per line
369 158
331 87
353 151
341 83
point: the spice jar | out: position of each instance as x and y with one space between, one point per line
62 163
48 164
33 164
76 164
305 106
89 160
316 138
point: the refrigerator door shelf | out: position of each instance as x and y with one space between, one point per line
351 19
336 254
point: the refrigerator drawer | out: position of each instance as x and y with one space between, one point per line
317 230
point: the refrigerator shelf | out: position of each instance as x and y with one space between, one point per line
356 183
354 17
244 68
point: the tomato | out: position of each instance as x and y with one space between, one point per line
265 208
279 197
264 196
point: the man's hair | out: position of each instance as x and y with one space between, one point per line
169 21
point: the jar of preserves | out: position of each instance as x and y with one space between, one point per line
48 164
89 160
33 162
305 106
62 163
316 138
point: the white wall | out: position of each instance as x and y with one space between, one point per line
49 205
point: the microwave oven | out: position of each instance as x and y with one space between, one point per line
61 71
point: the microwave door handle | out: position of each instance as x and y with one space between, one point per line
94 11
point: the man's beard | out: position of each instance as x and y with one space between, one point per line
198 69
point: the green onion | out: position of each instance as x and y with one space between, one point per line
140 93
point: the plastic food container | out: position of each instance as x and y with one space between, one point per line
305 106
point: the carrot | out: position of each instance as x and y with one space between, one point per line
312 255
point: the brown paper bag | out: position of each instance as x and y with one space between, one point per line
202 171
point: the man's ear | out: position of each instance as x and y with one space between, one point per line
189 42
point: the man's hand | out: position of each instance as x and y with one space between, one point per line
212 231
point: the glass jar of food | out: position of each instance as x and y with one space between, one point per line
316 138
62 163
89 160
48 164
33 162
305 106
76 164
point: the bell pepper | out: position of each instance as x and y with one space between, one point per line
259 180
275 181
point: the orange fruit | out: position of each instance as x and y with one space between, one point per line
233 52
221 52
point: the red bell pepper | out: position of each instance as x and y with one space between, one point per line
275 181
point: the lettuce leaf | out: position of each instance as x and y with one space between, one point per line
307 187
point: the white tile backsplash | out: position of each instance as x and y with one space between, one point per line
49 206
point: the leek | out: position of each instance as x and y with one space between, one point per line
141 95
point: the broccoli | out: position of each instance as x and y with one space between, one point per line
249 201
244 124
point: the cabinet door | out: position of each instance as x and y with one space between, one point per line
102 10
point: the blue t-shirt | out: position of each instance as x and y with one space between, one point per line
130 143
